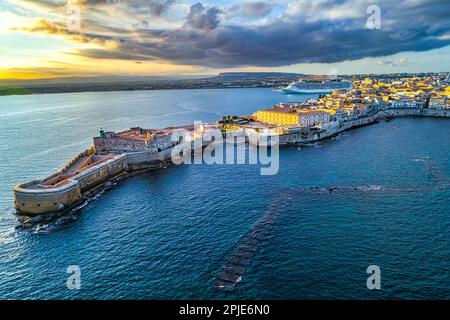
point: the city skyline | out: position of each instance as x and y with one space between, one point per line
45 38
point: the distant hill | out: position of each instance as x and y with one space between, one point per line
257 74
124 83
95 80
141 79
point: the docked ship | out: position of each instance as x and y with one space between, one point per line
325 86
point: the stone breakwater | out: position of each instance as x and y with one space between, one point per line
240 260
89 170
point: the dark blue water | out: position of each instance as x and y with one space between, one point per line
168 233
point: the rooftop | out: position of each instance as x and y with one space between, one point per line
141 134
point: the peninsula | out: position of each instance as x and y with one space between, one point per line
115 154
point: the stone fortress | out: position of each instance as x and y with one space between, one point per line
112 155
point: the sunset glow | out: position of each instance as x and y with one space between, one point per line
40 39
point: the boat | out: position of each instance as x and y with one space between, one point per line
325 86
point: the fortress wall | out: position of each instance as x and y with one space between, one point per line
141 160
118 144
359 122
163 143
290 138
165 155
138 158
32 201
74 160
98 174
293 138
146 159
413 112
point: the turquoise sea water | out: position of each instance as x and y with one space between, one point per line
168 233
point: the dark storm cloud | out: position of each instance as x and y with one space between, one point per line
154 7
107 54
252 9
201 18
406 26
326 31
278 45
157 8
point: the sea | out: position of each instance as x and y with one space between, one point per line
374 196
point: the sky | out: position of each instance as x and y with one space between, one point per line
72 38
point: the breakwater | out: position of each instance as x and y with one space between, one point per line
239 261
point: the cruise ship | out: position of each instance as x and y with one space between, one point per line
324 86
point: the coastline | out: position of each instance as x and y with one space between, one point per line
137 90
369 120
33 201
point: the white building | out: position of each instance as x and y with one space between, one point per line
313 118
341 115
437 102
405 103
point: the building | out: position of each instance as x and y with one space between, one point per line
293 117
405 103
313 118
136 140
279 117
341 115
437 102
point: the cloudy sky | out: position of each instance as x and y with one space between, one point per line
58 38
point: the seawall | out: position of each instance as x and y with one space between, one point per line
308 137
68 187
34 197
413 113
304 137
